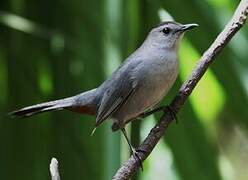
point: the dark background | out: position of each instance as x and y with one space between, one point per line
58 48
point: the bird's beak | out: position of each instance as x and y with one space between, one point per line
186 27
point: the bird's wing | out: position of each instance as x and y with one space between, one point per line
117 90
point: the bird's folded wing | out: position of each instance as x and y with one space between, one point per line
118 91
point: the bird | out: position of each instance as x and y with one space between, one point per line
135 87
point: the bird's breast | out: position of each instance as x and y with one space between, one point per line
161 72
159 75
154 78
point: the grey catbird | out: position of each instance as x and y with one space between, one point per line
136 86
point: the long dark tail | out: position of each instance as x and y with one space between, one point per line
84 103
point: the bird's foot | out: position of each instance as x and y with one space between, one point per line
135 153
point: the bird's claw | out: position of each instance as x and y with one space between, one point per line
135 153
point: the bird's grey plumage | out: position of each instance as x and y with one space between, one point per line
85 102
142 81
137 85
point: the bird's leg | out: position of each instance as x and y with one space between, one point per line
161 108
133 150
146 114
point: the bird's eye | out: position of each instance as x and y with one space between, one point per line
166 30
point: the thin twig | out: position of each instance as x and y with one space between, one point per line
54 169
237 21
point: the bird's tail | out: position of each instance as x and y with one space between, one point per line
83 103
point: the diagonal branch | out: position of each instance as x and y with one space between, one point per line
237 21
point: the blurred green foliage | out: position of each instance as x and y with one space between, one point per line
54 49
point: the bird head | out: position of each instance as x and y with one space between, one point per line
167 35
